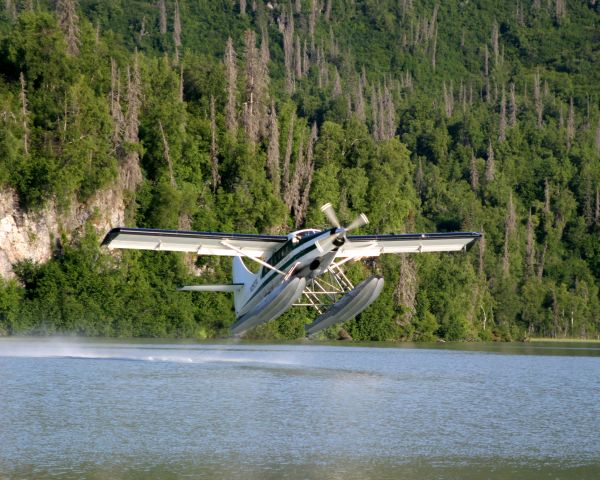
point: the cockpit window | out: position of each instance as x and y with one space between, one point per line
298 239
306 233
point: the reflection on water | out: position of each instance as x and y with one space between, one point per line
89 409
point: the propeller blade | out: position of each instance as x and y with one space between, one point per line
329 212
358 222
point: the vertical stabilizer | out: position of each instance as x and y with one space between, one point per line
242 275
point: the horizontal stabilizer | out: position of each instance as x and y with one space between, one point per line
232 287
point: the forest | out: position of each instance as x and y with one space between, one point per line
247 116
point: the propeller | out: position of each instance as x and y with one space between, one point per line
358 222
329 212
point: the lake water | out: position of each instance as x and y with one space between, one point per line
99 410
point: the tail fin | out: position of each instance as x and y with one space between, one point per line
241 275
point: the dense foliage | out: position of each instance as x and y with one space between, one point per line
425 115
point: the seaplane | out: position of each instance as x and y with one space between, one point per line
303 268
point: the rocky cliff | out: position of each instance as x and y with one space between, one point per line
33 235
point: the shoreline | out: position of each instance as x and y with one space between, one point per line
559 340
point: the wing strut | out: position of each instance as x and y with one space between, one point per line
251 257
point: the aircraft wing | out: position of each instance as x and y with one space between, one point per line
375 245
201 243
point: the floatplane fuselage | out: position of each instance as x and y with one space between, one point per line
302 268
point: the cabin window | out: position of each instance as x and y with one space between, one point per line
286 248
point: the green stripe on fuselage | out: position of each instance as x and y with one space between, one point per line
283 267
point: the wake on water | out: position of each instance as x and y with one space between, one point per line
81 350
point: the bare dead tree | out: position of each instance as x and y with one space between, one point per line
561 117
24 113
448 95
597 140
312 22
337 84
231 87
405 293
11 9
587 123
376 126
486 71
256 89
541 261
463 97
143 31
431 30
509 230
519 15
116 111
474 173
305 60
326 79
131 174
69 23
547 197
265 55
502 121
273 150
495 42
291 194
382 113
214 148
490 164
537 95
334 49
288 52
177 30
512 119
162 17
486 61
495 97
389 109
166 154
434 46
588 207
319 69
561 9
482 241
359 104
243 7
298 58
328 10
181 84
363 77
288 154
530 246
308 171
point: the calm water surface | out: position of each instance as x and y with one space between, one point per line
98 410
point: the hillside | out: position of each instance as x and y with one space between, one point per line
248 116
